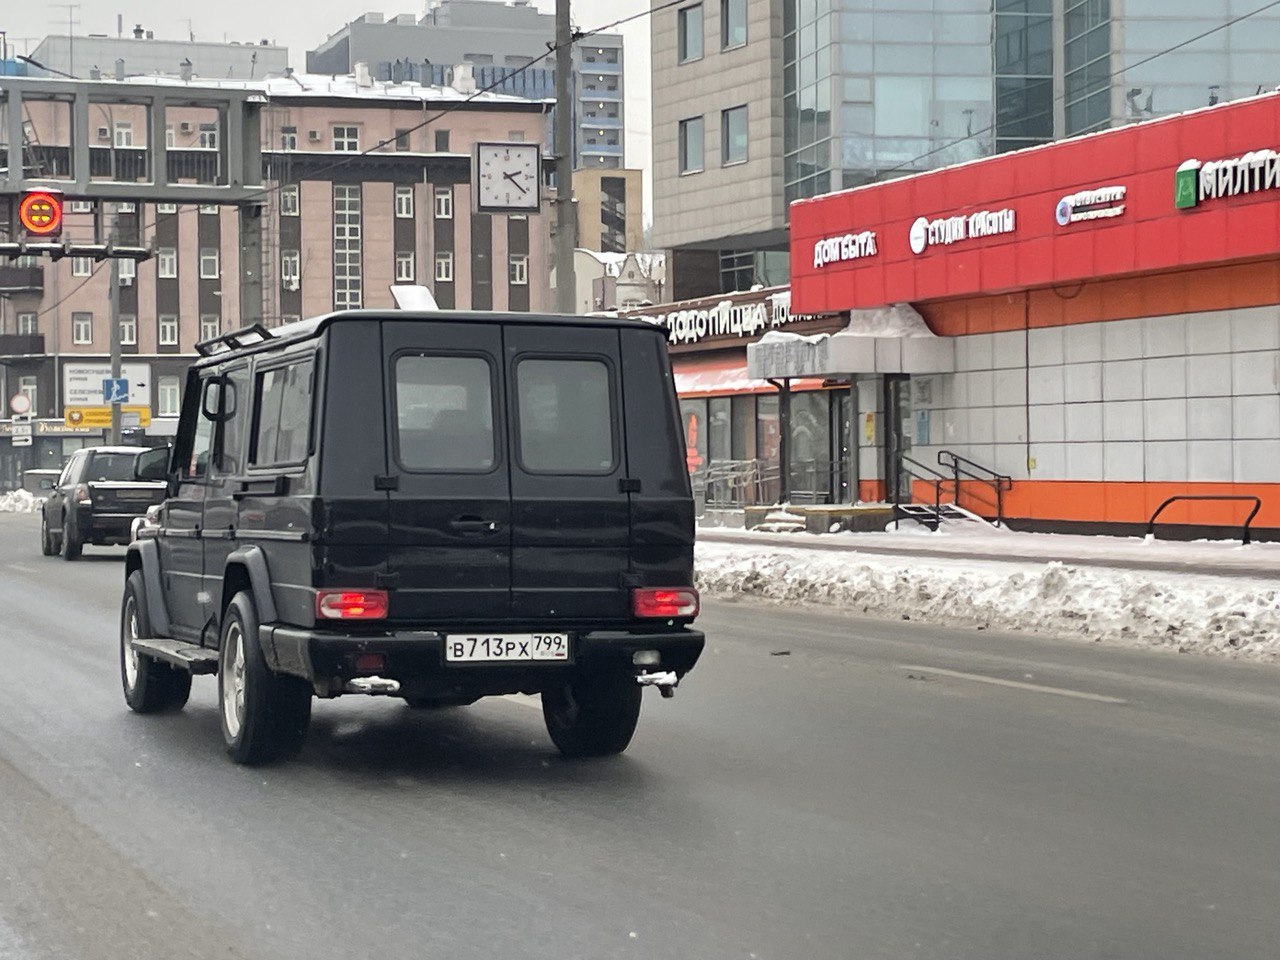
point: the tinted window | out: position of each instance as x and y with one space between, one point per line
444 413
566 416
111 466
283 431
232 438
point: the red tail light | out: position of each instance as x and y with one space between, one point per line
664 603
351 605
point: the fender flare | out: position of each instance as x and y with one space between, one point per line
148 553
254 560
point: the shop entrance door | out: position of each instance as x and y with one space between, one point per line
897 441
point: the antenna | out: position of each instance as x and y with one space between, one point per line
72 23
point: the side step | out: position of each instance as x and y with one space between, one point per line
184 656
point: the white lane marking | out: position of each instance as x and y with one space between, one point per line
532 702
1015 684
21 567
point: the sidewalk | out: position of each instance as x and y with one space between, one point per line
962 541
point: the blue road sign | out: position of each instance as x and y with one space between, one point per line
115 390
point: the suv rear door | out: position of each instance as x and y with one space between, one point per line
449 514
570 510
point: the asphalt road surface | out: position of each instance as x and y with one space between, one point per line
882 790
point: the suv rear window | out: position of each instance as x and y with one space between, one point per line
111 466
566 416
444 413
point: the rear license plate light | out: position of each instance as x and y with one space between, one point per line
665 603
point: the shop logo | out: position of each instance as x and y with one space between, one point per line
851 246
1100 204
1195 182
948 230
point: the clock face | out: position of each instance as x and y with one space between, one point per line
507 177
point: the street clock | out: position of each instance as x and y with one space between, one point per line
505 177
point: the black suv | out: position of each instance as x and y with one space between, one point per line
434 506
101 491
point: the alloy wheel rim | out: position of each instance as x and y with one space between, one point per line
130 634
233 681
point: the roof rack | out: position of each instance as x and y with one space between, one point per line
236 340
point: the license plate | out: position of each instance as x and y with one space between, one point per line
506 648
135 495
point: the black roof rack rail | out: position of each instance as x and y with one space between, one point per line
236 340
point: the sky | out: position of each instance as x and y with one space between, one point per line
303 24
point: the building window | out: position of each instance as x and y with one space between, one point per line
348 288
168 330
82 328
128 330
444 267
289 201
166 208
519 270
27 325
402 139
613 215
167 396
167 263
81 206
208 263
691 145
126 207
404 268
124 133
291 269
689 33
81 266
346 139
290 318
210 326
209 209
27 387
733 135
442 141
404 202
733 23
128 269
208 136
288 138
444 203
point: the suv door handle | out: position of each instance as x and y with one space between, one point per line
473 525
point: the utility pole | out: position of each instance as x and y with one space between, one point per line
566 217
115 320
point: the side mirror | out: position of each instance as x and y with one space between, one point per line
152 465
219 401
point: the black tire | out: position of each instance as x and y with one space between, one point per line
150 685
46 538
264 716
71 545
593 715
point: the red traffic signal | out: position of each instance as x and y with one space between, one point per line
40 213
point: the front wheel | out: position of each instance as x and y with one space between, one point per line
149 685
592 715
264 716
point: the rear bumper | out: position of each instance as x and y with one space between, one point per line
416 659
106 527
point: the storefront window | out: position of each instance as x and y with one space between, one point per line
810 446
743 443
693 420
719 441
768 441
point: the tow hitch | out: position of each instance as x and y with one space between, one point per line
666 681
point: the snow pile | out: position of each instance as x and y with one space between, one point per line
1224 615
19 501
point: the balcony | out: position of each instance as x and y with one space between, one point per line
601 122
21 344
601 149
21 279
600 67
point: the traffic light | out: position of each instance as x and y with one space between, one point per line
40 213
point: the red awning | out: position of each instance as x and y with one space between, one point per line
726 376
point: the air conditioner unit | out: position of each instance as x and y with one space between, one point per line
126 281
104 133
186 126
314 136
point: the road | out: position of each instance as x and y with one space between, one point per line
821 787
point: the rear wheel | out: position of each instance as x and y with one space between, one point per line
594 715
71 545
47 546
149 685
264 716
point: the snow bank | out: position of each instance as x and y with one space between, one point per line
19 501
1222 615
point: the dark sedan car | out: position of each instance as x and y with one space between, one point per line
99 494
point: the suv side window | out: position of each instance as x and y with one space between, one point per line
231 437
282 418
195 430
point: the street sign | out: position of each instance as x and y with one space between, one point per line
100 416
115 390
20 403
82 381
21 430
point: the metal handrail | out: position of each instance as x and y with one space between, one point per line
973 470
937 479
1244 533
